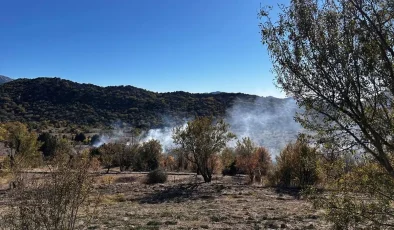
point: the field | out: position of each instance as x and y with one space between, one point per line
125 202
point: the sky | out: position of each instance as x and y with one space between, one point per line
159 45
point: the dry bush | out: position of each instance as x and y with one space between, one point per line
51 201
252 160
297 165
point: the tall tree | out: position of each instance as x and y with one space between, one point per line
201 139
336 59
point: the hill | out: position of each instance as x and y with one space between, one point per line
4 79
55 99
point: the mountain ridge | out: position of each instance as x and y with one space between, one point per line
55 99
5 79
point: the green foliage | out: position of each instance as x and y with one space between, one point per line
148 157
228 159
24 147
336 59
49 144
156 176
201 140
80 137
58 102
109 154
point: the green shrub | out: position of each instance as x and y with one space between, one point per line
156 176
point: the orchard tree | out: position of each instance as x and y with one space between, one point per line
335 58
149 155
201 140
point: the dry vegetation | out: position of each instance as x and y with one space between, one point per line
126 202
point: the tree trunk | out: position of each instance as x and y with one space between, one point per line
207 178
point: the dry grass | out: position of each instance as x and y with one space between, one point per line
227 203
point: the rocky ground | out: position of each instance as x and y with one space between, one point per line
186 203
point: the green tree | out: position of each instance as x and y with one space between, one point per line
201 140
148 157
23 145
109 154
80 137
335 58
49 143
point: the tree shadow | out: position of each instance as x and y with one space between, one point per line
290 191
183 192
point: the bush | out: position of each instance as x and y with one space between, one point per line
156 176
53 200
297 165
230 170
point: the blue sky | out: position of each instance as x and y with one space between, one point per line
159 45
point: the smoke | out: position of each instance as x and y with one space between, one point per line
268 121
163 135
115 135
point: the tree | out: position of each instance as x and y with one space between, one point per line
23 145
148 157
80 137
48 147
228 159
108 154
201 139
264 163
247 160
252 160
297 164
335 58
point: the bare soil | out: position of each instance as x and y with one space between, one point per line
184 202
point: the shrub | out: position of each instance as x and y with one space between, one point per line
297 165
52 201
156 176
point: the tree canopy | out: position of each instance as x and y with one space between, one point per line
336 59
201 139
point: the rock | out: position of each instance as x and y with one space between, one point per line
283 226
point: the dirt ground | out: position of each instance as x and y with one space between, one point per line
183 202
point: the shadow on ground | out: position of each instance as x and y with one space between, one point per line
183 192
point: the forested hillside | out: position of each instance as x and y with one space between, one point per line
55 99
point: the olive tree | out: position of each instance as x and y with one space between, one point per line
335 58
201 139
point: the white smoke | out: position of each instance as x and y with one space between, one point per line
163 135
268 121
115 135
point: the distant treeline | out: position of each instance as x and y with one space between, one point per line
61 101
